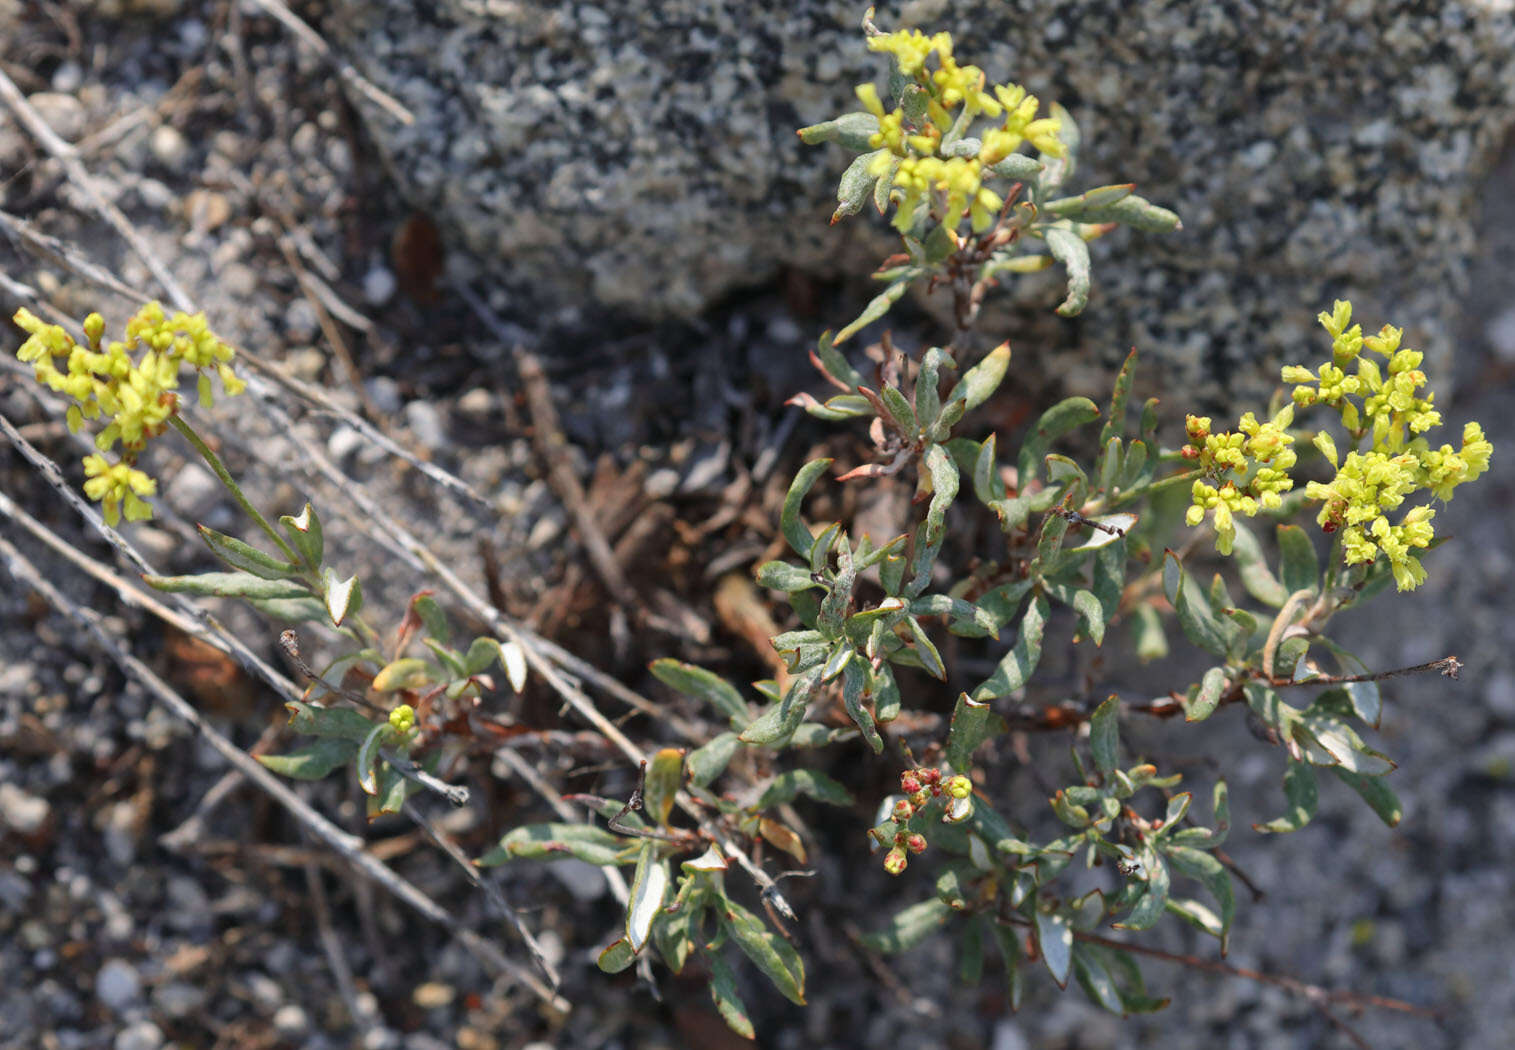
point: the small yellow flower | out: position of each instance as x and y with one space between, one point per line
403 718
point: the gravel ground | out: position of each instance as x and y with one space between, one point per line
234 154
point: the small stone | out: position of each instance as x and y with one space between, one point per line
291 1021
67 77
117 985
384 393
63 113
432 995
426 424
379 285
477 402
301 322
153 194
344 441
169 147
23 813
177 999
144 1035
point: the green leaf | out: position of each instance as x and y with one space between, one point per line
700 684
1211 687
1104 734
1054 937
981 381
1150 905
790 525
1070 249
245 557
850 130
1009 945
649 885
789 785
944 485
617 957
1376 793
291 610
408 672
1256 577
313 760
1090 611
876 308
1088 203
853 688
727 1001
1299 567
988 486
909 927
965 619
783 717
831 361
1095 980
1195 617
1197 915
482 652
1151 643
1139 214
973 722
665 776
1054 423
340 722
930 659
305 535
773 955
228 585
1204 868
586 842
855 187
1016 666
1300 790
784 576
710 761
343 598
1115 421
432 618
390 792
886 695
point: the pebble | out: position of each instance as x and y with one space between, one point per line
117 985
384 393
426 424
1501 334
432 995
291 1021
169 147
63 113
144 1035
344 441
477 402
379 285
23 813
301 323
178 999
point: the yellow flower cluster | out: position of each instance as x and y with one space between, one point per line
1382 404
951 185
1259 457
135 393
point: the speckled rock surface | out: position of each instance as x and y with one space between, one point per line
647 163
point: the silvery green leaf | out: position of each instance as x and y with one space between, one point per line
305 534
727 1002
648 886
983 379
314 759
710 761
245 557
773 955
229 585
343 598
1376 793
1301 792
1087 205
851 130
1211 688
1054 423
1071 250
790 525
855 187
586 842
1018 167
1055 939
1104 734
617 957
876 308
1016 667
700 684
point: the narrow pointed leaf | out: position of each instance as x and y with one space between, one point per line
790 525
1016 667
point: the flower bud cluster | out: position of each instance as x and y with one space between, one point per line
910 144
923 787
132 383
1242 472
1383 406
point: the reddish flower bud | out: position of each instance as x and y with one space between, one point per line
903 810
916 843
908 784
895 861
